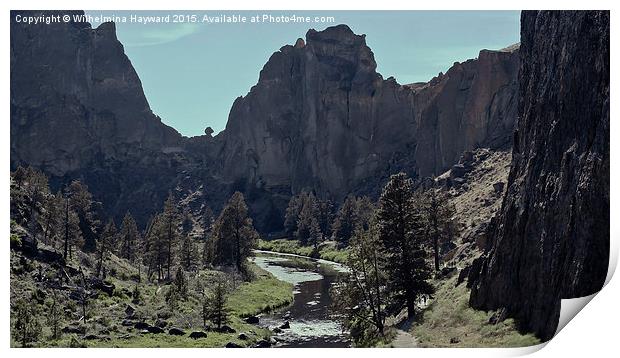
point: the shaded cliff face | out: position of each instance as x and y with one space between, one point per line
322 118
78 112
551 238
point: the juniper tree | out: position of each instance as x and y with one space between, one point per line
233 233
401 230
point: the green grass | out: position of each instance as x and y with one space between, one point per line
327 250
449 316
263 294
105 313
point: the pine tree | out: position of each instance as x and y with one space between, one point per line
180 282
129 238
170 222
81 202
70 228
291 216
105 246
188 255
401 230
360 297
234 235
354 214
55 315
439 224
155 250
308 230
215 307
52 219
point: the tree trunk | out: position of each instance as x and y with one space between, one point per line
436 248
66 229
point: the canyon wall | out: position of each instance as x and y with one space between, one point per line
321 118
551 238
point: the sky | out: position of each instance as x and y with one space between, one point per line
192 72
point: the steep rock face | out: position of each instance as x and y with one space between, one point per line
70 79
551 238
322 118
78 112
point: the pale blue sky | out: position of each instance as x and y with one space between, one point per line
192 73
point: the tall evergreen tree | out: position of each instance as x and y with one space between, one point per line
361 296
291 216
81 201
215 307
354 214
308 229
440 226
105 246
401 230
188 255
234 234
170 222
129 238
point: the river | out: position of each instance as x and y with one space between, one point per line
308 315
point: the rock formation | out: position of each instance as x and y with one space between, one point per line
321 118
551 238
78 111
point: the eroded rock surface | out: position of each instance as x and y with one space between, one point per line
551 238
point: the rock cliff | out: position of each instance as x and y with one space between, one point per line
551 238
78 111
322 118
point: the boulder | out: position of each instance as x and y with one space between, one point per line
197 335
262 344
176 332
232 345
141 325
127 323
103 286
226 329
161 323
285 325
243 336
155 330
252 320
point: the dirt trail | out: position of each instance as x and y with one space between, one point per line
403 338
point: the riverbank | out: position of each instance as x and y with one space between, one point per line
327 250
